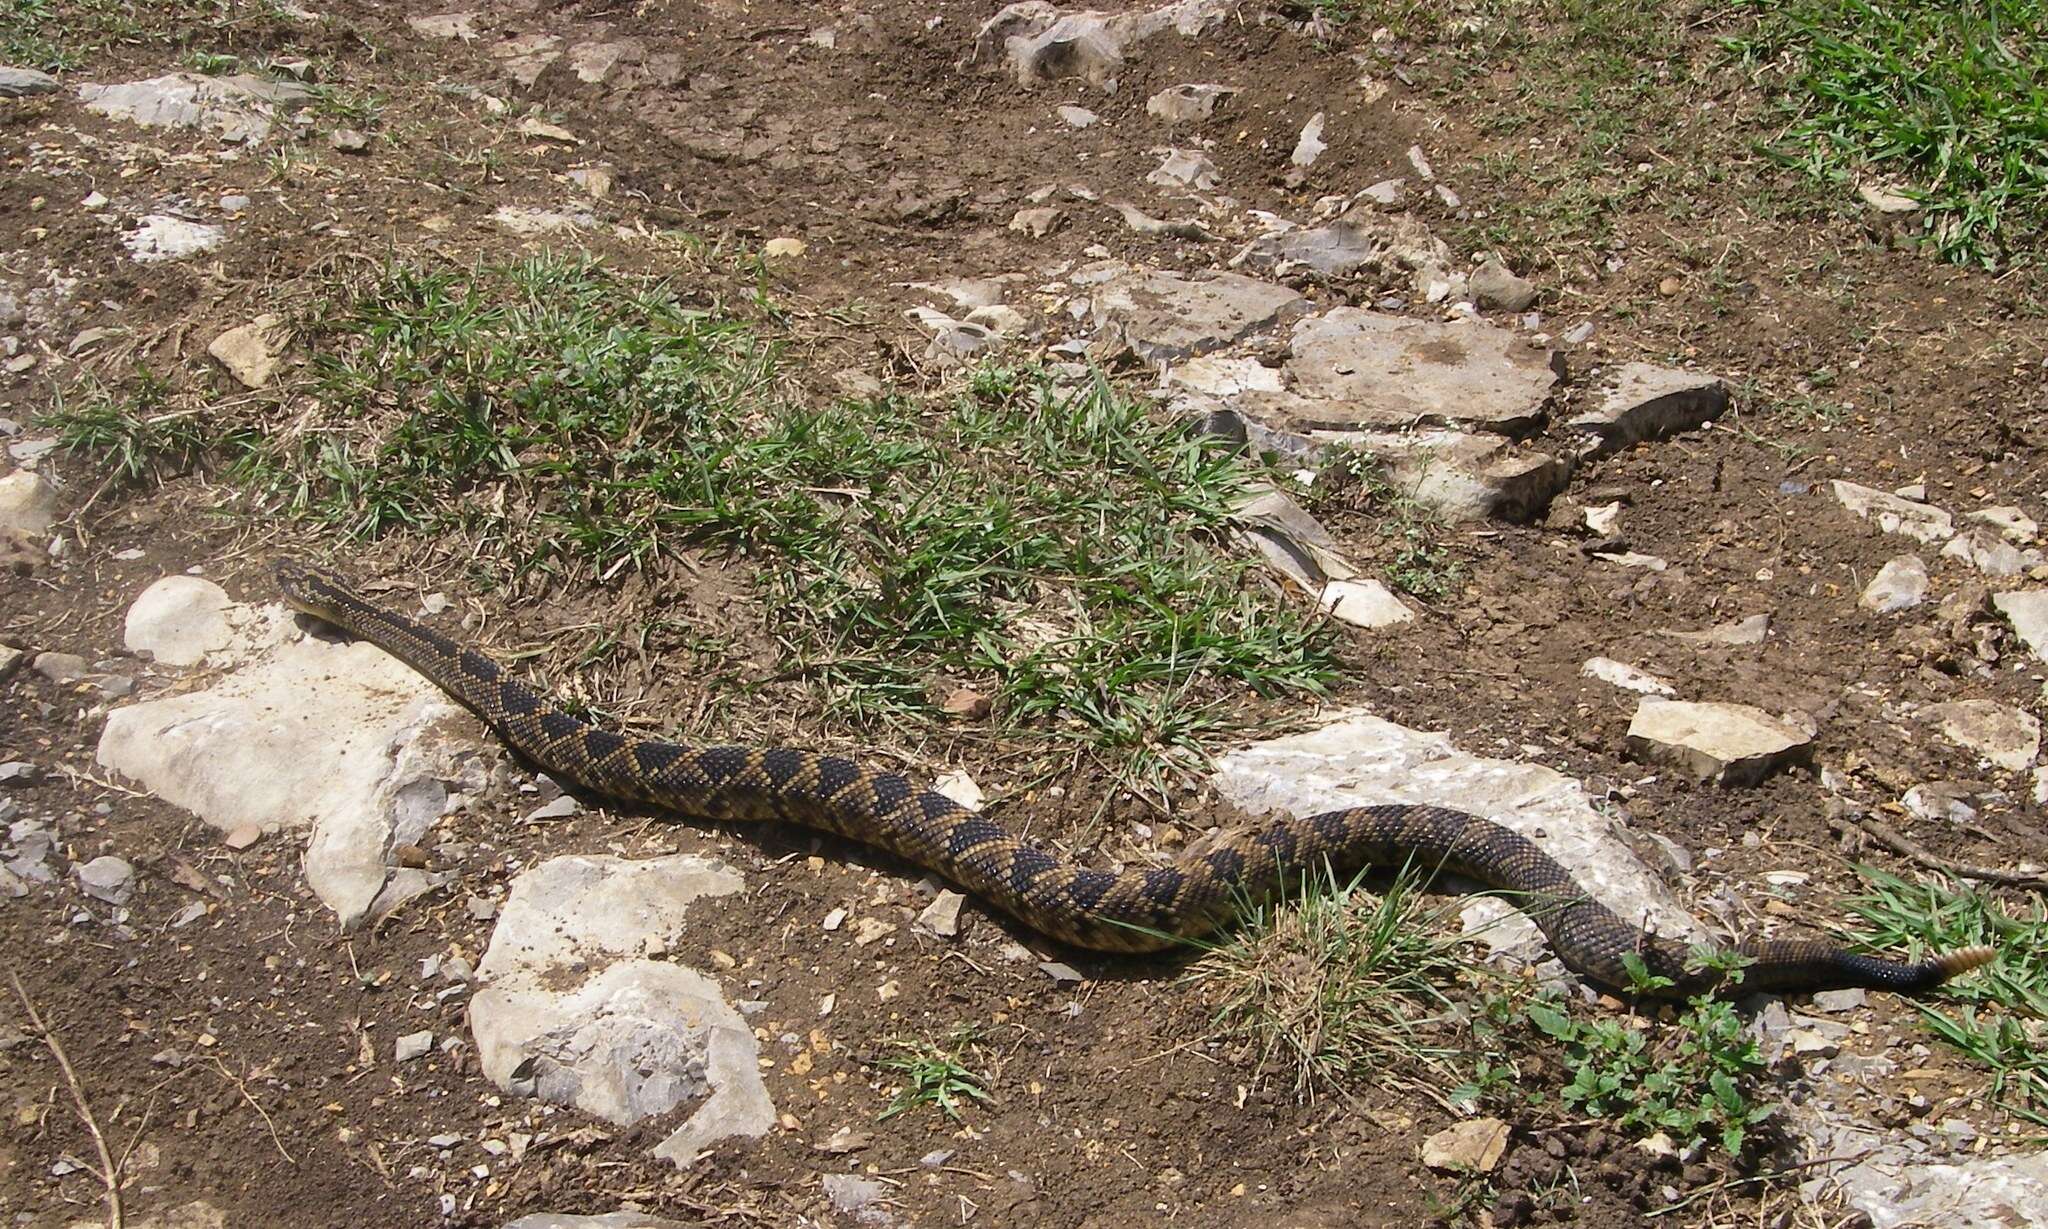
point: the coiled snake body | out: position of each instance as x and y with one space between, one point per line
1135 910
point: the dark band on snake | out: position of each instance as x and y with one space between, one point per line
1135 910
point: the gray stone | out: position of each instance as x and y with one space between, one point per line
1359 239
28 503
1496 286
1646 402
1941 800
1354 369
1900 584
855 1196
10 661
349 141
556 808
1188 104
1738 632
107 878
414 1045
1037 222
1922 522
344 739
1185 168
1366 603
160 237
2017 526
236 109
525 57
1989 552
445 25
1077 117
1890 1177
1726 744
1624 676
1040 42
61 667
2027 611
942 916
19 772
1360 759
2007 737
592 63
1166 316
25 83
576 1010
179 620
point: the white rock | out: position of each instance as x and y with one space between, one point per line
526 221
1186 168
107 878
1311 145
1989 552
1923 522
345 739
1474 1146
28 503
1727 744
1365 603
250 351
1039 42
1891 1178
573 1012
1627 677
237 109
2003 735
961 787
1943 800
159 237
1354 369
1900 584
2027 611
942 916
1745 631
180 619
1181 104
2016 525
1644 402
413 1045
1077 117
1361 759
445 25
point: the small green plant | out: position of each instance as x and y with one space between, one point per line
1333 983
1998 1016
935 1073
136 432
212 64
1692 1080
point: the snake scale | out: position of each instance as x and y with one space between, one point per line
1135 910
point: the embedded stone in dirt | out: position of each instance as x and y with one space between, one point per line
1726 744
1625 676
236 109
1988 552
250 351
2027 611
107 878
1167 316
1360 759
1357 239
1471 1147
942 916
1645 402
1354 369
1889 512
1889 1176
1040 42
574 1011
25 83
1185 168
28 503
159 237
343 739
2016 525
1185 104
181 620
1464 476
445 25
1900 584
2006 736
1496 286
1750 630
1364 603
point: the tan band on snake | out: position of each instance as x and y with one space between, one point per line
1132 911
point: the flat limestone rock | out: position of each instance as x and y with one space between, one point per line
1354 369
1645 402
2006 736
240 108
1039 42
1900 584
1890 1178
576 1010
345 741
2027 611
28 503
1727 744
1894 514
1166 317
1360 759
184 620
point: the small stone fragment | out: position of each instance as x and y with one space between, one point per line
2027 611
1889 512
967 703
870 930
1900 584
1839 1000
1468 1147
243 836
1751 630
25 82
250 351
1942 800
1311 145
558 808
107 878
1990 553
2007 737
349 141
28 503
1078 117
2016 525
784 247
60 667
1726 744
1364 603
845 1140
1061 974
414 1045
1181 104
1624 676
942 916
1038 221
1496 286
1646 402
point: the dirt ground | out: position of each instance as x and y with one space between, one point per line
246 1057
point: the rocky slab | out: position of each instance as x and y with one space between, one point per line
1900 584
576 1009
1356 370
1646 402
1726 744
1361 759
1895 514
1164 317
2027 611
237 109
2003 735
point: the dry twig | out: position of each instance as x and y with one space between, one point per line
1899 843
108 1172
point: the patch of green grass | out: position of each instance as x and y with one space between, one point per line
1410 548
31 38
60 35
1693 1079
1334 984
1949 99
935 1074
1996 1016
1057 548
136 433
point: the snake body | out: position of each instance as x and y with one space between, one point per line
1135 910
